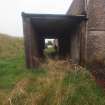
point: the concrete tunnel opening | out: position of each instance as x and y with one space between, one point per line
64 28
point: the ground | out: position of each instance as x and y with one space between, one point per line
55 82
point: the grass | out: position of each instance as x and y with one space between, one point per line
50 52
54 83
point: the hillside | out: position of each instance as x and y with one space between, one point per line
53 83
10 46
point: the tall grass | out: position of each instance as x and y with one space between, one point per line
55 83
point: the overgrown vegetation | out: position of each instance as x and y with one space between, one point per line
54 83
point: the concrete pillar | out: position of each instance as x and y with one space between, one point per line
31 42
75 46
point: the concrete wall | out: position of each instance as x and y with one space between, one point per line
93 35
96 31
77 8
78 39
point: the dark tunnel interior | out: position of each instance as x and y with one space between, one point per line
63 47
56 27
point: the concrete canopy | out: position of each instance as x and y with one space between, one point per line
49 24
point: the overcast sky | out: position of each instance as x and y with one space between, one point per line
10 12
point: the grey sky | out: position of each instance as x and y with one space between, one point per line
10 12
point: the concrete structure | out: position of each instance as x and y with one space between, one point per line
94 32
81 33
